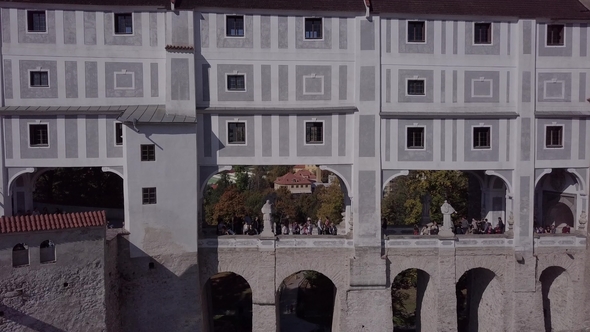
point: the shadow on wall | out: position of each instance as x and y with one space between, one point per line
156 293
24 320
470 294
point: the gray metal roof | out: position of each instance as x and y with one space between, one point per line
153 114
276 110
61 110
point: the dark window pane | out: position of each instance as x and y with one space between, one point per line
555 34
313 28
236 83
314 132
38 135
554 137
416 32
416 87
36 21
481 138
236 132
124 24
482 33
39 79
148 195
234 26
148 152
118 133
415 138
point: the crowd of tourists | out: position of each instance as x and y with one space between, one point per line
464 226
249 226
552 229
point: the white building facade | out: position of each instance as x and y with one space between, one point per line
168 97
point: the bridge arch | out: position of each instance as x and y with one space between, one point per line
227 303
413 301
558 298
480 300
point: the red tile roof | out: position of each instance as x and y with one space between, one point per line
291 179
305 174
47 222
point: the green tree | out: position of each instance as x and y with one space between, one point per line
284 204
242 177
258 180
277 171
332 202
230 204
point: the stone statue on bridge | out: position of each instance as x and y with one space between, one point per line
267 220
447 228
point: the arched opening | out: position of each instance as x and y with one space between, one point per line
47 252
300 195
229 303
20 255
306 302
558 199
71 189
412 302
479 300
556 297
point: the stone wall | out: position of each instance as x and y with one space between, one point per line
67 295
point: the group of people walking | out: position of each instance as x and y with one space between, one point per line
249 226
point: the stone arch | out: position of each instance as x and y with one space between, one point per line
228 297
116 169
307 300
14 174
425 318
344 173
480 300
388 176
557 293
559 197
206 173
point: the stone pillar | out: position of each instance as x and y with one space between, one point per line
264 317
446 304
367 310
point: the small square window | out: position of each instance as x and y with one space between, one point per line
313 28
39 79
555 34
415 139
148 195
236 132
36 21
481 138
38 135
314 132
234 26
554 137
482 33
118 133
416 88
123 24
416 31
148 152
236 83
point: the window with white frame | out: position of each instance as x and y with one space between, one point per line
415 137
313 28
415 87
118 133
234 26
314 132
148 196
554 137
555 35
38 135
416 31
39 79
481 138
123 23
36 21
148 152
236 132
236 82
482 33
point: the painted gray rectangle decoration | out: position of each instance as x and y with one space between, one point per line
324 43
69 27
266 135
223 94
343 83
36 38
387 139
583 39
71 79
367 83
27 152
154 80
318 74
425 48
388 85
232 150
265 82
455 37
232 42
482 86
91 79
455 78
483 49
525 140
89 28
265 31
204 30
507 87
27 92
341 135
284 136
582 87
180 28
526 86
283 32
343 33
443 39
403 75
205 81
125 79
443 83
180 85
283 83
388 36
367 35
582 141
7 76
454 152
153 29
565 50
554 87
314 150
110 38
207 133
525 188
508 142
5 20
71 129
527 37
367 136
481 155
426 154
92 136
543 153
8 133
442 139
367 198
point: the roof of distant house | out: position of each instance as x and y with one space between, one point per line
292 179
46 222
306 174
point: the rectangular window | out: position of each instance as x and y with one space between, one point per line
416 31
314 132
313 28
415 139
118 133
554 137
555 34
481 138
36 21
39 79
123 24
38 135
416 88
148 195
482 33
148 152
234 26
236 132
236 83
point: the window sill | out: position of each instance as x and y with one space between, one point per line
554 147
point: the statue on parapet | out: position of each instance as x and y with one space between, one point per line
447 228
267 220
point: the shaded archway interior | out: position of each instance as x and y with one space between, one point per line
228 303
479 298
559 199
555 289
413 300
